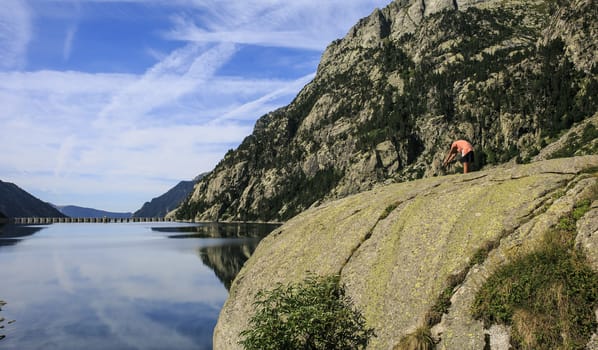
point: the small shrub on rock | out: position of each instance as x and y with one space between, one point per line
313 314
421 339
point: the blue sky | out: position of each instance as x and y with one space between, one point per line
109 103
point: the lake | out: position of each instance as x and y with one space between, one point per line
118 286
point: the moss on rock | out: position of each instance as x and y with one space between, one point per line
396 266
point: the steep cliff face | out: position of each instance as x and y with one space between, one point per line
397 247
390 97
579 31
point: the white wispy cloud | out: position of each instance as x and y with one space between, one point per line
68 42
60 121
268 102
15 33
177 75
291 39
113 141
303 24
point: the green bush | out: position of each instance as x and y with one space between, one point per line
313 314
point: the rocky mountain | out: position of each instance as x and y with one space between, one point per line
16 202
82 212
433 253
388 99
162 205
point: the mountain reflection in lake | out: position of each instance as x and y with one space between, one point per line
219 230
119 286
12 234
225 259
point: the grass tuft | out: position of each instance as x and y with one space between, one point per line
443 302
547 296
388 210
421 339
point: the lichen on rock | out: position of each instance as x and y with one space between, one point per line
395 265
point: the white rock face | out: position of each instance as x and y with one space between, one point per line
433 6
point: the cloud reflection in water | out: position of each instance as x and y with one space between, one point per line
118 286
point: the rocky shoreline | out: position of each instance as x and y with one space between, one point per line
2 303
2 319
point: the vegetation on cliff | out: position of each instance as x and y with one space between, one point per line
388 99
549 295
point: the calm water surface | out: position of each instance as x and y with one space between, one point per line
118 286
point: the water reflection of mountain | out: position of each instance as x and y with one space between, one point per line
227 260
219 230
12 234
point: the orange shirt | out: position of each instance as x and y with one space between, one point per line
462 146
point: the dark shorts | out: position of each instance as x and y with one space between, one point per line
467 158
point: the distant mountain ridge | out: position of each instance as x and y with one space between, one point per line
162 205
16 202
82 212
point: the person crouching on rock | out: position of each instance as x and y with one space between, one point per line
466 150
